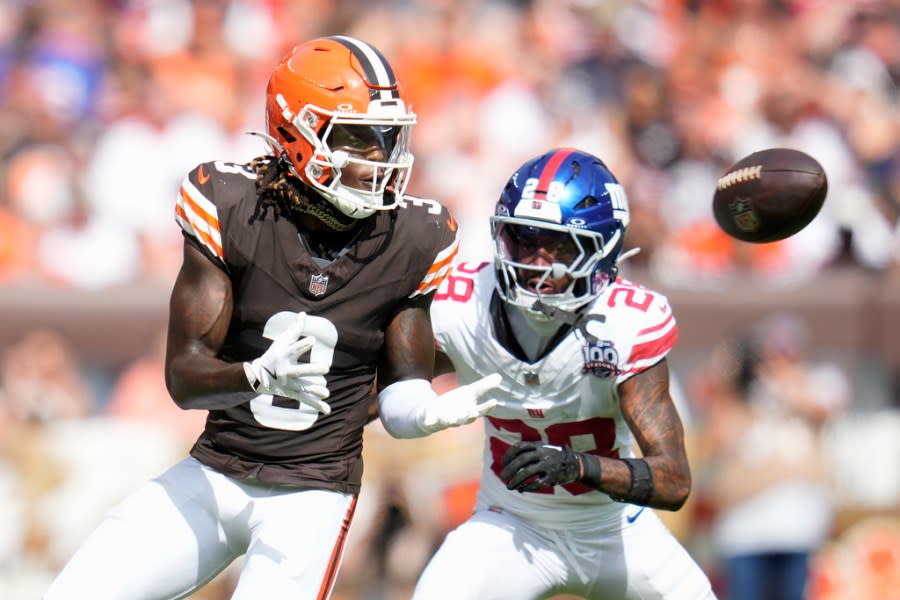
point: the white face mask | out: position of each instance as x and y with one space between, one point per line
389 125
581 252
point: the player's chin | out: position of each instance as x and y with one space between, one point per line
542 289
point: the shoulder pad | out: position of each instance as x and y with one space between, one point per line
204 196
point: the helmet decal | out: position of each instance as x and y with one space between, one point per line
376 68
548 173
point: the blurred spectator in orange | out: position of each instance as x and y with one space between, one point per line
140 393
864 562
17 240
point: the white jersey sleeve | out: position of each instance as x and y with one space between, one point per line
643 324
567 397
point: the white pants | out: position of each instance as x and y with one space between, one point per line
495 556
180 530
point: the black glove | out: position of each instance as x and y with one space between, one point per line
529 466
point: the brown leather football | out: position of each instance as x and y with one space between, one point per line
769 195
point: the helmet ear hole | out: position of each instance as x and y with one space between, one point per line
586 202
287 135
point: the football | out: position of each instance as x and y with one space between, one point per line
769 195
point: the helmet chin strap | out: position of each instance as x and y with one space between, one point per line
577 321
554 313
539 310
557 271
573 319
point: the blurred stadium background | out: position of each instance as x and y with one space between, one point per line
105 105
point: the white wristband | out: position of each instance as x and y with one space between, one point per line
402 405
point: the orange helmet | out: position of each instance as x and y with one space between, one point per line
321 90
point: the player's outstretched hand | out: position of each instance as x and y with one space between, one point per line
460 406
529 466
278 373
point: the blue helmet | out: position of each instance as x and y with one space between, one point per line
568 203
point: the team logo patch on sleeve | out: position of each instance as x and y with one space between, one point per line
600 359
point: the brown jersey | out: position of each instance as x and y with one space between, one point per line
397 255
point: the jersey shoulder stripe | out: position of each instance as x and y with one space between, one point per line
424 214
212 195
655 329
440 268
644 318
199 218
648 353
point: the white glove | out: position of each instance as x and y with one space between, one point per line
278 373
459 406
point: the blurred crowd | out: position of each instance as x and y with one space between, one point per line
106 104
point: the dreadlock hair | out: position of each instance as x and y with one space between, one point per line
277 190
273 191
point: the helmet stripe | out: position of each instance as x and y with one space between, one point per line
377 69
549 171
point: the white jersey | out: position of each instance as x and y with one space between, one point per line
568 397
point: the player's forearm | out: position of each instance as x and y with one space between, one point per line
203 382
401 407
658 482
656 425
411 408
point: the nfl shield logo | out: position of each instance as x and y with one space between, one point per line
744 216
318 284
